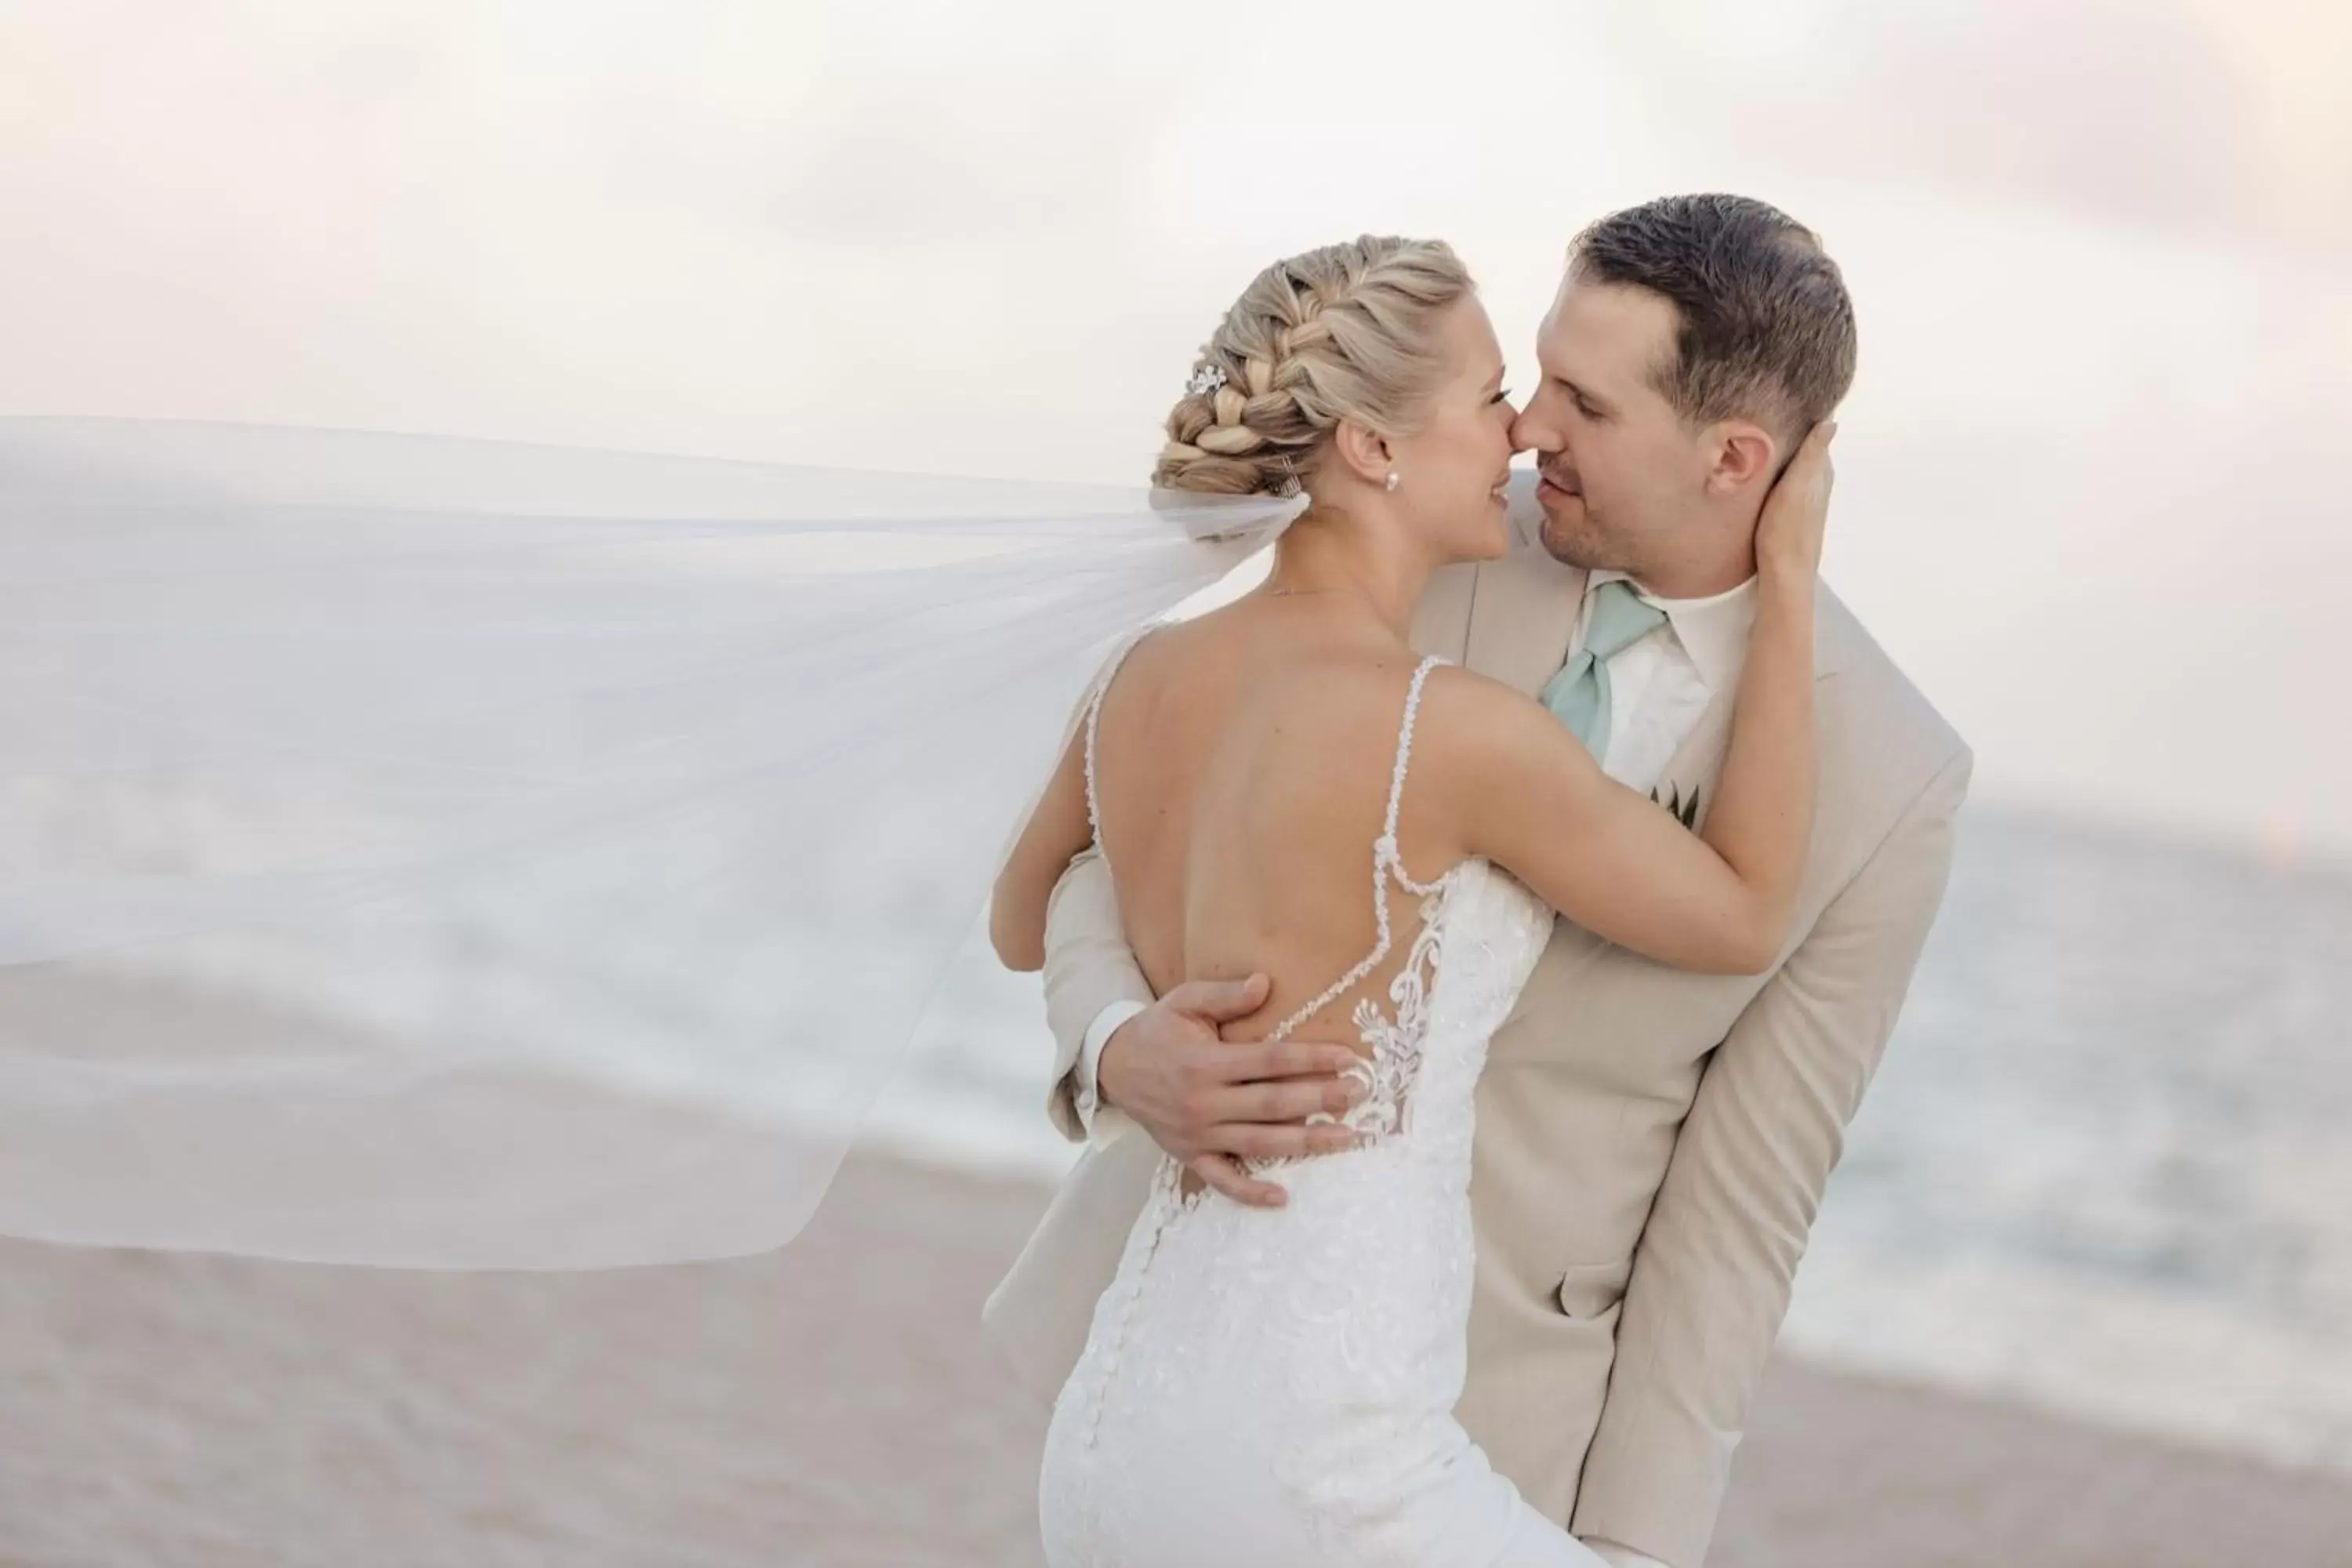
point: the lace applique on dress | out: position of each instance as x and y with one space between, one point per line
1389 1072
1393 1068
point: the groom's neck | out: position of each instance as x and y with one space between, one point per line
1698 579
1697 556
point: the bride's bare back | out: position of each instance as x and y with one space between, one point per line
1241 771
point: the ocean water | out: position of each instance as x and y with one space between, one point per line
2105 1167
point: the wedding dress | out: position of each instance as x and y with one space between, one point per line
1276 1387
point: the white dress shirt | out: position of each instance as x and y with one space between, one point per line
1659 686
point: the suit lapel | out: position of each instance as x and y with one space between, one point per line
1524 613
1441 625
1692 774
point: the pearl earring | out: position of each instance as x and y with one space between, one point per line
1393 480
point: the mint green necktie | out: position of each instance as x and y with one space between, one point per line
1579 694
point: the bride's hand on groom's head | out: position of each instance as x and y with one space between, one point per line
1796 514
1212 1102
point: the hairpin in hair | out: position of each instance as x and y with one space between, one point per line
1209 378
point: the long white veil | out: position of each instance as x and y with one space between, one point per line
437 853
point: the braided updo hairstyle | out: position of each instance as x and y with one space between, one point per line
1346 332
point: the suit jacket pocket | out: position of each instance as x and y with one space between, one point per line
1592 1291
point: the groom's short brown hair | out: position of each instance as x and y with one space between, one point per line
1766 327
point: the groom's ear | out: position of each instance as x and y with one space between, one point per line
1742 454
1363 452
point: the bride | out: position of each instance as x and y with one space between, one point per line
1276 1387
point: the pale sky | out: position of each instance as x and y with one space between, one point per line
2090 494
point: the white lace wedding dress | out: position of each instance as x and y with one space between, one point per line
1274 1388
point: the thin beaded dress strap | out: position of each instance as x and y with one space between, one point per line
1094 727
1385 851
1386 863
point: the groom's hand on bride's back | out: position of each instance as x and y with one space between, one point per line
1212 1103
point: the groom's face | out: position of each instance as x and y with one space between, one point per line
1619 467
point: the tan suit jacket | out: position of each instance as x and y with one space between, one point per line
1651 1145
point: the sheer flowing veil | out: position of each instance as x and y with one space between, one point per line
436 853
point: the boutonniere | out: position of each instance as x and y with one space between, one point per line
1685 811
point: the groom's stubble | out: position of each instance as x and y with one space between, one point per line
1574 534
1576 531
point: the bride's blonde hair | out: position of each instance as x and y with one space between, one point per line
1344 331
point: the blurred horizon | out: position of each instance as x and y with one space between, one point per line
2102 255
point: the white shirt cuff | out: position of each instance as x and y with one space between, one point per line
1102 1122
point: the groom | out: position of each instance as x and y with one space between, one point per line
1651 1144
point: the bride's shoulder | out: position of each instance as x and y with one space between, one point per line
1352 701
1469 722
1467 694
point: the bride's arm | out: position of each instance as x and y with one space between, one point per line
1529 796
1057 830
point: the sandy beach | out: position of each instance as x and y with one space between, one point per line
836 1404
